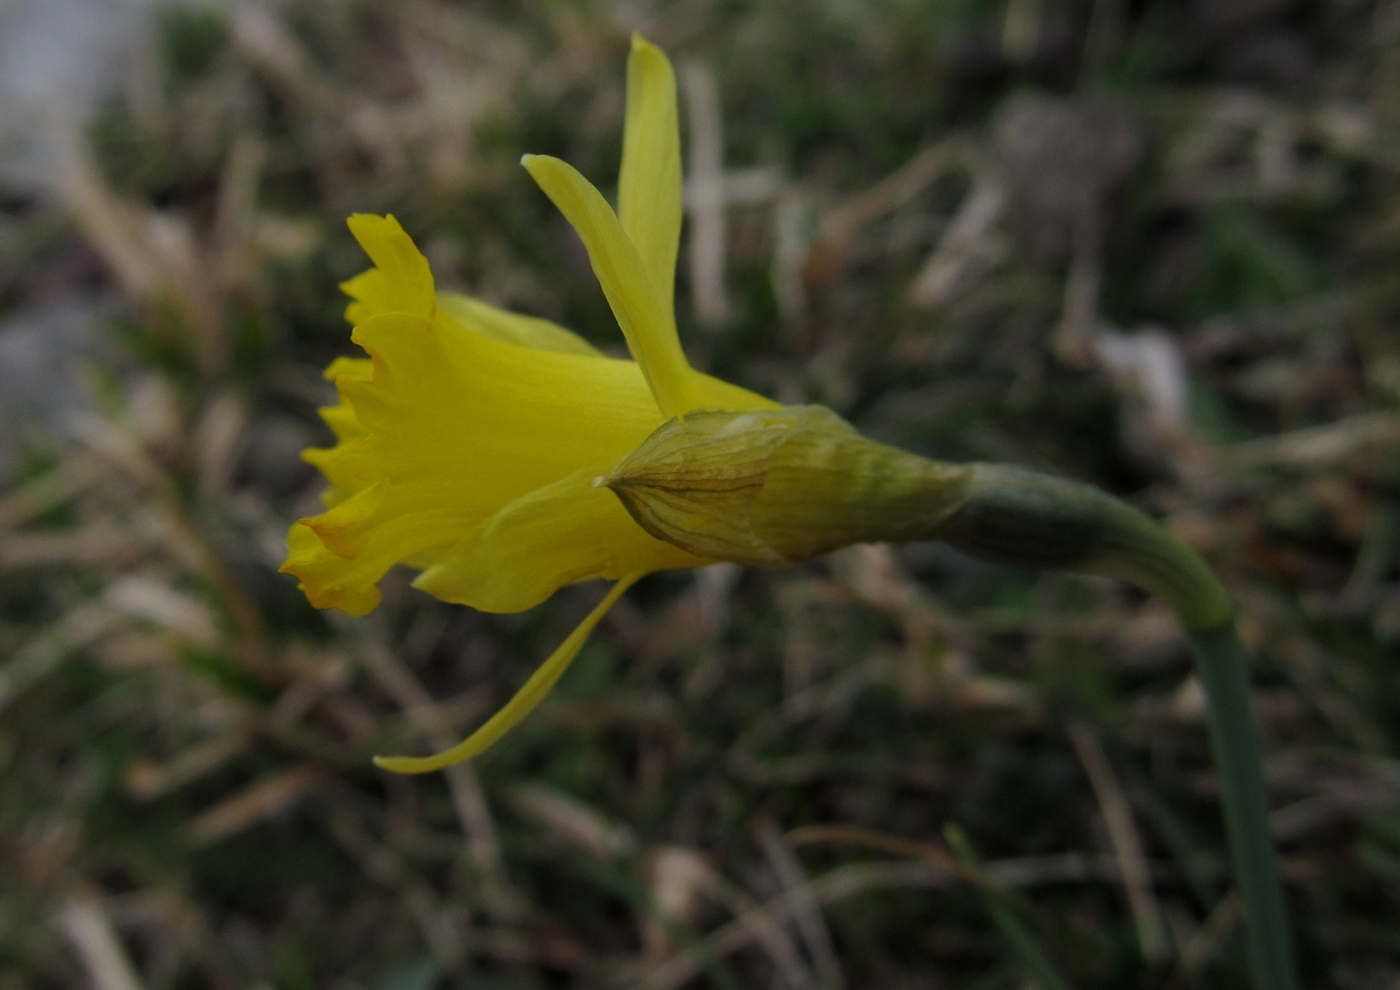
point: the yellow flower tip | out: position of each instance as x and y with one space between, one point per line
340 529
407 764
524 702
321 575
317 456
343 367
400 282
351 601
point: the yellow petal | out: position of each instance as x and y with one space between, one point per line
524 702
648 325
649 186
500 324
556 535
456 426
399 282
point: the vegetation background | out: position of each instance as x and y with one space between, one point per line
1151 244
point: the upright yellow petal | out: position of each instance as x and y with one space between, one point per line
501 324
649 186
524 702
648 325
556 535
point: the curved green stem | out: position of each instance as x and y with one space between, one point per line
1016 516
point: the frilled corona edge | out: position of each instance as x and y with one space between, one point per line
469 456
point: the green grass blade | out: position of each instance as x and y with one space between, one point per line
1022 941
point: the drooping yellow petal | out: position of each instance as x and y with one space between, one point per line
556 535
399 282
458 425
648 325
501 324
524 702
649 186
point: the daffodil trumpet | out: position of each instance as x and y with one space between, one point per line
504 457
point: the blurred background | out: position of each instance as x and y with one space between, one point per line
1151 244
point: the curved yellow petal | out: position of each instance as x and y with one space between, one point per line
556 535
649 186
501 324
399 282
648 325
451 427
524 702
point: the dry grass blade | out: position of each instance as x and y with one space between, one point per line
36 658
843 224
97 945
1318 445
73 475
262 800
809 919
1127 844
706 193
473 812
837 885
148 781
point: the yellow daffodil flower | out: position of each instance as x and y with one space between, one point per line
470 439
504 457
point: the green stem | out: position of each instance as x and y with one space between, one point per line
1020 517
1225 678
